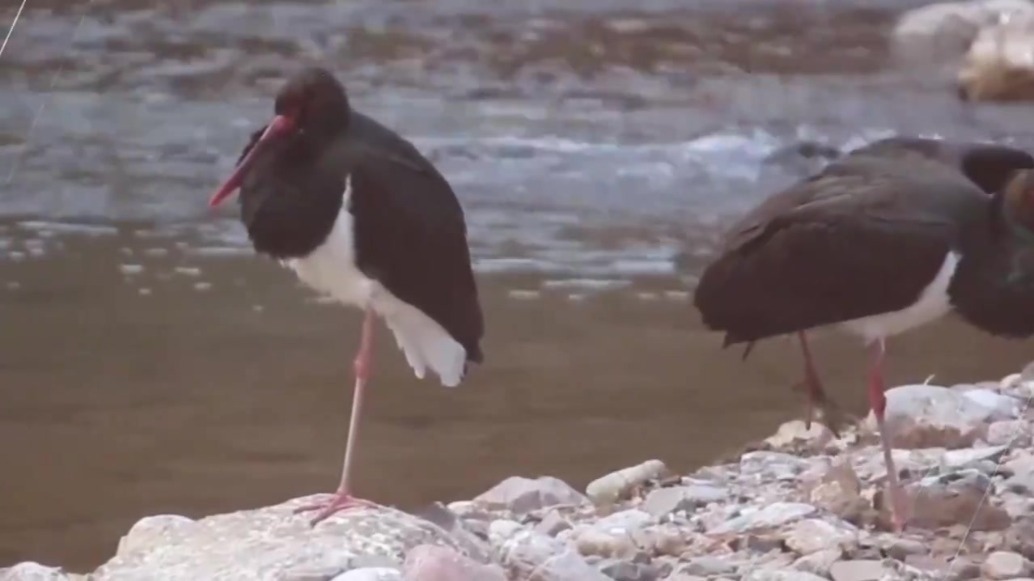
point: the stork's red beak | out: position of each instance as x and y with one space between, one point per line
277 126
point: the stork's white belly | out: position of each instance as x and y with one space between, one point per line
331 269
933 303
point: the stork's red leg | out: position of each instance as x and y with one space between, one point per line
343 499
832 417
878 402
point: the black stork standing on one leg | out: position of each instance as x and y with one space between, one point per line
877 245
359 214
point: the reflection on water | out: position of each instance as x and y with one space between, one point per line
149 363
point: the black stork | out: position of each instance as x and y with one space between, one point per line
879 242
987 165
360 215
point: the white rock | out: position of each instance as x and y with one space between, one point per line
152 529
521 495
33 571
1005 565
795 435
612 487
370 574
592 541
269 542
930 416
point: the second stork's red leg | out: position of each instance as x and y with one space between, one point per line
343 499
878 402
832 417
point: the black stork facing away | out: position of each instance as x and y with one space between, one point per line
360 215
883 240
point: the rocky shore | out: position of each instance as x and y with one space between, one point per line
800 506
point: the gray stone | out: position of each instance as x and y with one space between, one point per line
901 548
1004 565
707 566
1009 433
819 562
860 570
958 459
624 522
774 465
269 542
521 495
624 570
664 501
839 491
552 524
955 499
457 528
769 516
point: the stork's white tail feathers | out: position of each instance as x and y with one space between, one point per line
424 342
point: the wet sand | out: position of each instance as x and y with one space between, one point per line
193 400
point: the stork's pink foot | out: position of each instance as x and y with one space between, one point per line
899 508
333 504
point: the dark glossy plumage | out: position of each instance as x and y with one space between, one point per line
409 228
988 165
864 237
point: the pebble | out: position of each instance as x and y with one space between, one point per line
861 570
1005 565
771 515
521 495
813 535
664 501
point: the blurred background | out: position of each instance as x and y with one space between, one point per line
150 363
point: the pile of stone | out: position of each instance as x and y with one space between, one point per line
799 506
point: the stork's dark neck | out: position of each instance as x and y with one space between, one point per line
993 286
292 198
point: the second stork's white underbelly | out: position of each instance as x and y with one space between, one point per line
932 304
331 269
